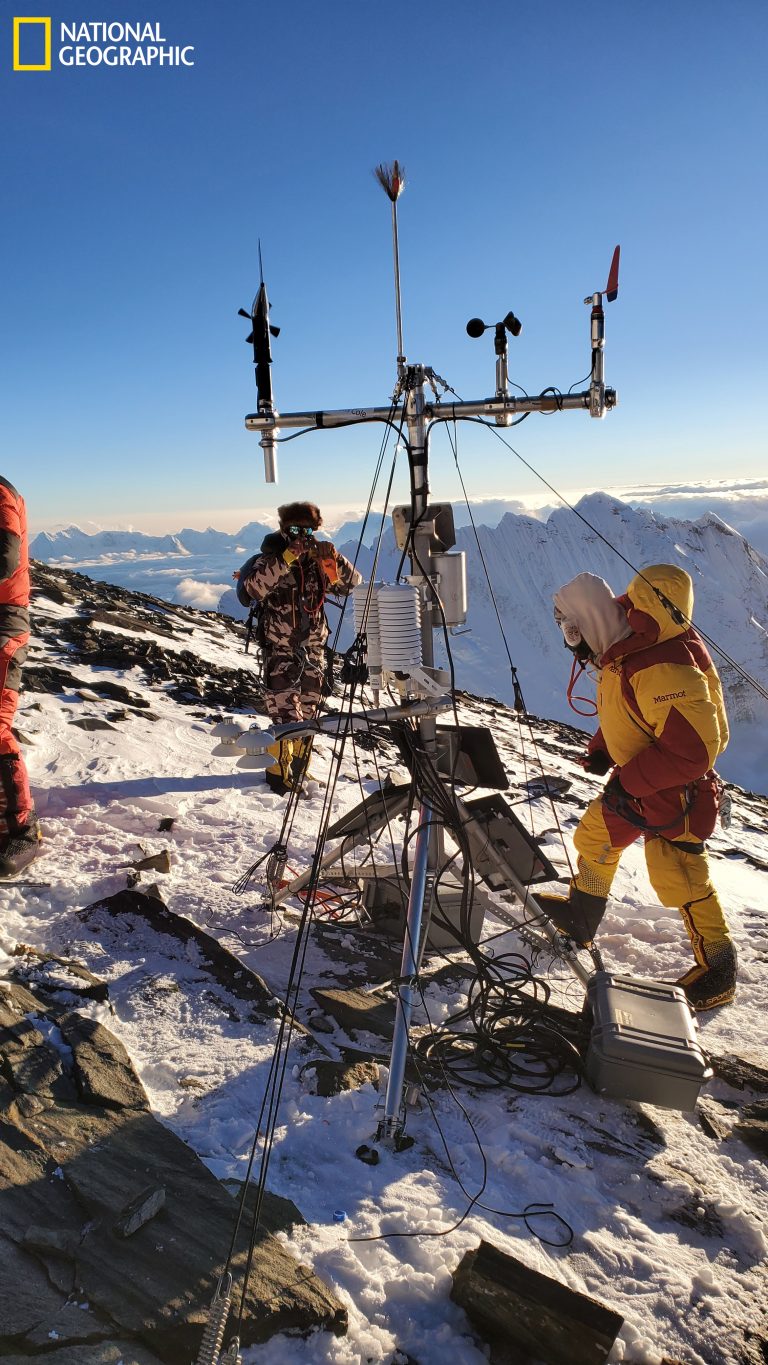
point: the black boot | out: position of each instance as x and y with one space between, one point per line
18 849
712 982
578 914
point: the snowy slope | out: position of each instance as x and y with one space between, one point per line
527 559
670 1224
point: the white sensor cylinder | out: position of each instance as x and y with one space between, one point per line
399 627
368 622
228 733
452 585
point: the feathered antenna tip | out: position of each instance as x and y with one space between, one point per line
391 178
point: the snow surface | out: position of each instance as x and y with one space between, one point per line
670 1227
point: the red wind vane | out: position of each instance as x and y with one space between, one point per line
612 287
391 178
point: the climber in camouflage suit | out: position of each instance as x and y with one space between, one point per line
290 579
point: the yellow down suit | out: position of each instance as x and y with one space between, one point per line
663 724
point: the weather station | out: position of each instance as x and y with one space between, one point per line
641 1035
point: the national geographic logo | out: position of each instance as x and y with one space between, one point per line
93 43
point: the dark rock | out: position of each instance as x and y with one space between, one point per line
91 723
28 1060
58 1241
123 619
330 1077
73 1326
154 862
54 975
26 1297
755 1348
67 1175
49 678
103 1353
103 1070
32 1192
740 1074
225 968
519 1308
16 1000
55 589
752 1127
139 1211
356 1009
713 1120
157 1285
167 823
278 1214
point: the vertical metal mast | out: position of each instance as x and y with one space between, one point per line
410 381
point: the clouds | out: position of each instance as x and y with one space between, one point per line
204 596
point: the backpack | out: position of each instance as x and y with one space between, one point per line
254 623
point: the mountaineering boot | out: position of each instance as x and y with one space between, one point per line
280 776
578 914
18 849
712 982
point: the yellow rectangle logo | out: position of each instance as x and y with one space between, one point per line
18 65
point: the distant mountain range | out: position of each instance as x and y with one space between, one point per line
72 544
527 560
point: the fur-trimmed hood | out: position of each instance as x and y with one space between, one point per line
589 603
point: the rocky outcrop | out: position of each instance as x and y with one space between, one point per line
113 1231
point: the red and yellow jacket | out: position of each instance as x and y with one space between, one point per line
659 700
14 563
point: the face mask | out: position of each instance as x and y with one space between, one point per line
574 640
571 632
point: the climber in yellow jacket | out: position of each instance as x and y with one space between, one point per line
662 725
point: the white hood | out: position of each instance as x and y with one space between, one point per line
588 602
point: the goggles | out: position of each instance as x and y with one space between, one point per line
294 531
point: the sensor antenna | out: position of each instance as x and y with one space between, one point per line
392 181
261 331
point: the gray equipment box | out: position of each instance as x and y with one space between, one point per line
643 1044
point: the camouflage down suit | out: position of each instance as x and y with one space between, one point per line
293 629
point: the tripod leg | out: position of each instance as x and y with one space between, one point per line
392 1123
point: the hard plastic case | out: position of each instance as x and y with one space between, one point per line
644 1044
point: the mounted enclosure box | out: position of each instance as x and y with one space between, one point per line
643 1044
385 897
452 585
440 514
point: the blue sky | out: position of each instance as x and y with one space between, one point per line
534 136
